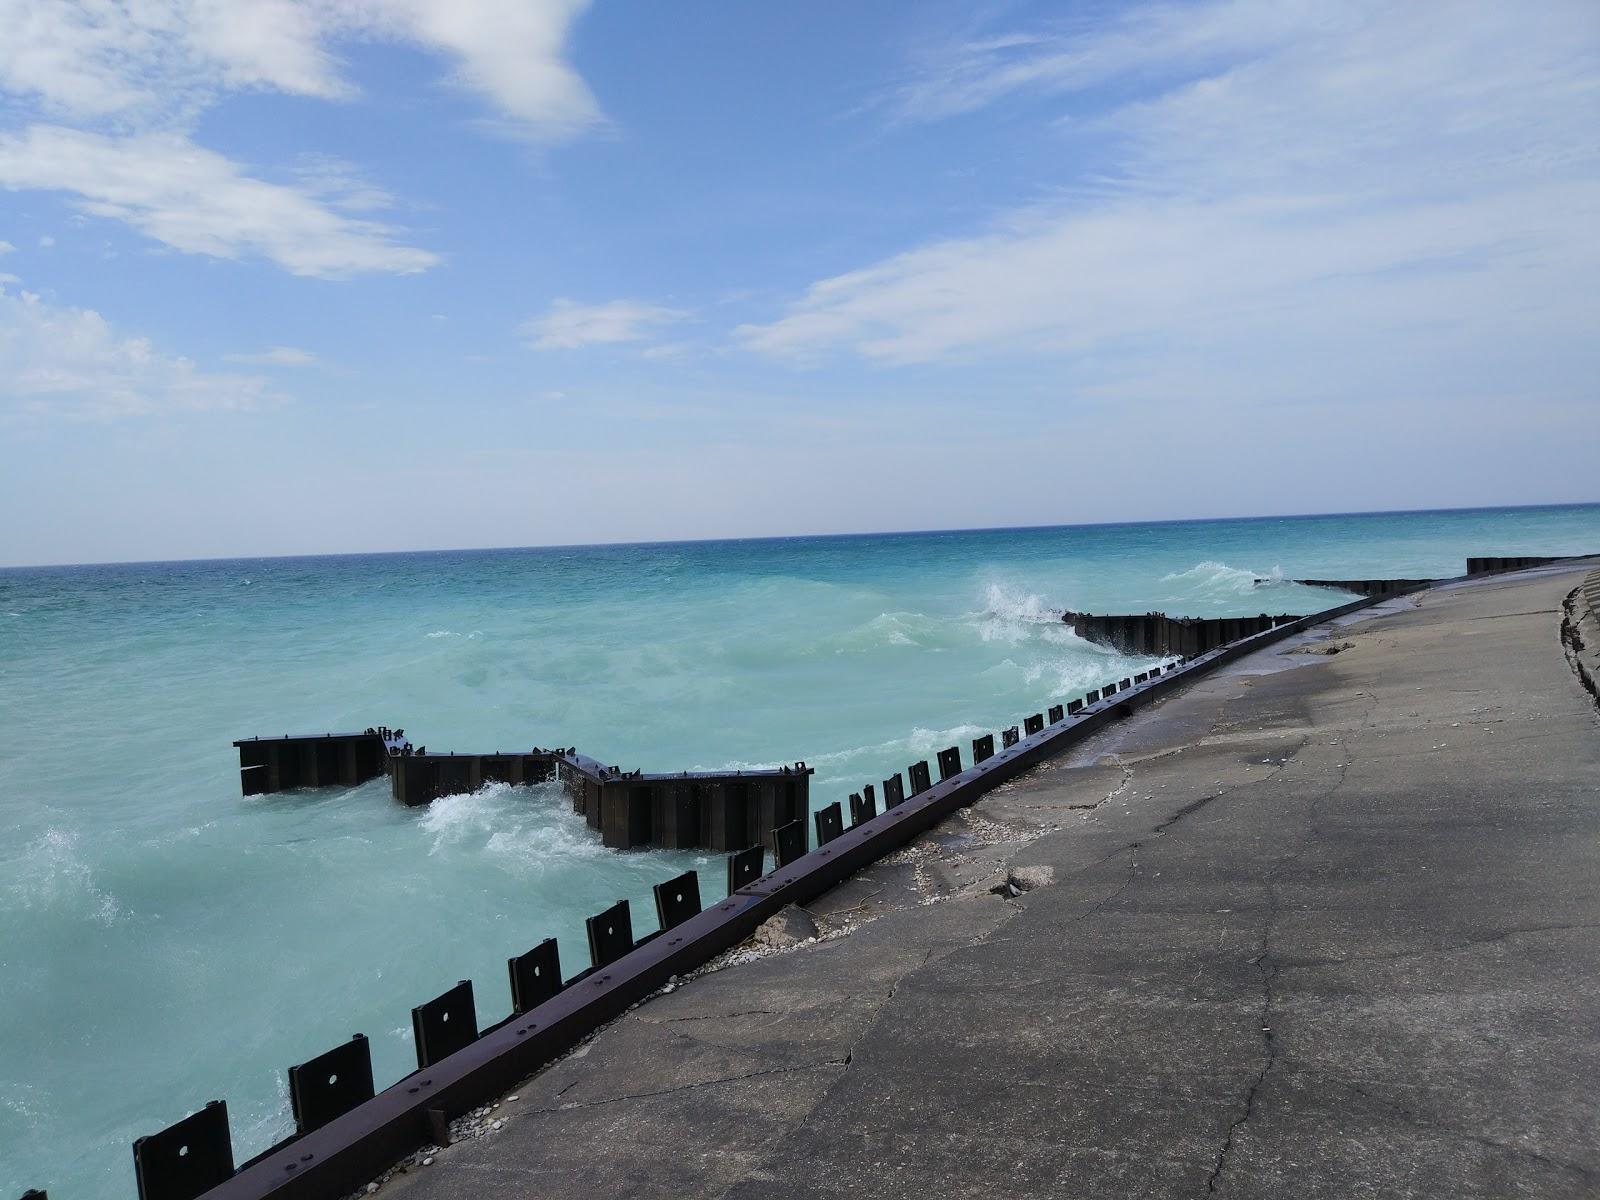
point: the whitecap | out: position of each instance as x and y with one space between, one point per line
54 875
1219 578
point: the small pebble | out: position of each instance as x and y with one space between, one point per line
427 1162
371 1187
497 1124
510 1098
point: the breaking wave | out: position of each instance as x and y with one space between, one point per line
53 874
1011 615
1212 578
533 826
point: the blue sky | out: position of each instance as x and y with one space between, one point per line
295 276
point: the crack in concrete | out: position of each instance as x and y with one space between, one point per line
1132 852
1265 963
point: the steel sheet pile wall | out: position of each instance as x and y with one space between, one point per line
309 760
1367 587
714 810
1156 633
422 778
1487 566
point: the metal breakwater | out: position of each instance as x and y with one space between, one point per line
712 810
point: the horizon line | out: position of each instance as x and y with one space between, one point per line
790 537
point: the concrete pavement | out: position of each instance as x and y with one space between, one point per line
1324 924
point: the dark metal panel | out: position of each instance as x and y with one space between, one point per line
917 773
723 816
445 1024
983 748
1056 714
1009 738
1032 725
862 808
788 843
830 823
1091 697
894 791
535 976
949 762
744 868
610 934
1074 706
330 1084
677 899
186 1158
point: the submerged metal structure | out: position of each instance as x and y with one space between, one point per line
684 810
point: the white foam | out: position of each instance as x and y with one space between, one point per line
534 826
1218 578
54 875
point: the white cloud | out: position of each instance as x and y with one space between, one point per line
106 93
1367 194
157 59
277 356
570 325
509 51
6 247
199 202
70 362
1104 46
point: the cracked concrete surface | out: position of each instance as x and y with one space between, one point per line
1318 926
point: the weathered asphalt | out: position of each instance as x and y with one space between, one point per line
1320 926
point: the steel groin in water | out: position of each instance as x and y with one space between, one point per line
1365 587
347 1132
1159 635
685 810
1155 633
1387 587
1490 566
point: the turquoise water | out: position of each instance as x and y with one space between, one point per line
164 941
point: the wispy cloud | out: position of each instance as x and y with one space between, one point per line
1304 199
277 356
569 325
59 361
1105 45
200 202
